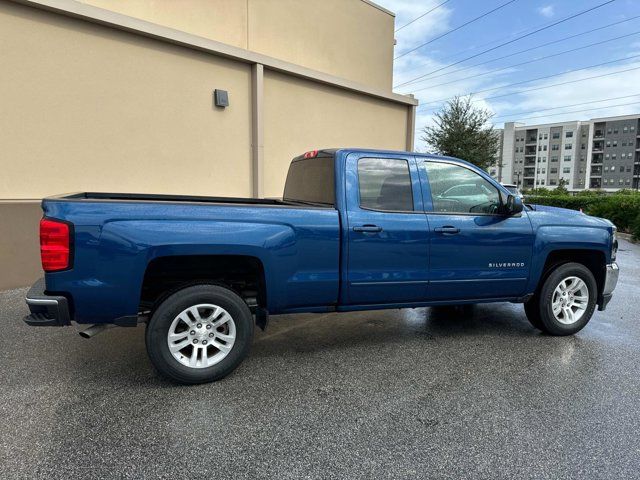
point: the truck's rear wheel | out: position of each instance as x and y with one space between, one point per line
199 334
566 301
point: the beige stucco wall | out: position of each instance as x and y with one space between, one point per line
86 107
351 39
221 20
347 38
91 108
301 115
19 243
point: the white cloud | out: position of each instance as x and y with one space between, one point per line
616 85
547 11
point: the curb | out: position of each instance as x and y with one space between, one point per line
626 236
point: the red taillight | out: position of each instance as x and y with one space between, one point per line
54 245
311 154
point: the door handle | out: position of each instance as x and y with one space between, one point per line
368 229
447 230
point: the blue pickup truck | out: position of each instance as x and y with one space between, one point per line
355 230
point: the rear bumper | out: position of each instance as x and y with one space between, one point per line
610 282
46 310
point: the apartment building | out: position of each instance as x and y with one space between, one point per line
601 153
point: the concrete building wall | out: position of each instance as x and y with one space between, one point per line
352 39
300 116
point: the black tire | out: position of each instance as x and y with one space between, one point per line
539 309
532 310
161 320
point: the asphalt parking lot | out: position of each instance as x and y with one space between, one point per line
435 393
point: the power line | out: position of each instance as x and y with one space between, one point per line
423 15
431 77
517 38
566 106
534 79
531 61
456 29
561 83
579 111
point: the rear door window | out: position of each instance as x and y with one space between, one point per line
385 185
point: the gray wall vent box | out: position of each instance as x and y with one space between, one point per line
221 98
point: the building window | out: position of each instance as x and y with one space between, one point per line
609 131
620 182
615 143
614 156
582 158
553 170
581 169
568 146
556 135
628 181
633 128
608 143
544 148
539 148
583 146
552 181
540 137
615 131
569 135
542 181
567 158
621 168
546 136
554 158
628 169
625 129
555 147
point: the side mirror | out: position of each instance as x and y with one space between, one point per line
514 205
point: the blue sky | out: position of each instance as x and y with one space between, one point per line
519 18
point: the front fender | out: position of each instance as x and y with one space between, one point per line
553 238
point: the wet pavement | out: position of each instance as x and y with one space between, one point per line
435 393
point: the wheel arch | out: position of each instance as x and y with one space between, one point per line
243 274
594 260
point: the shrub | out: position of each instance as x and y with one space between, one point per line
564 201
622 208
635 228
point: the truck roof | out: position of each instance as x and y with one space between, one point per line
333 151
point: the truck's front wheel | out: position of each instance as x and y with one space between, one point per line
566 301
199 334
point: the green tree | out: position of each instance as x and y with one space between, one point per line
463 131
561 189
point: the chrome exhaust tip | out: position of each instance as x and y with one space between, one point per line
93 330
